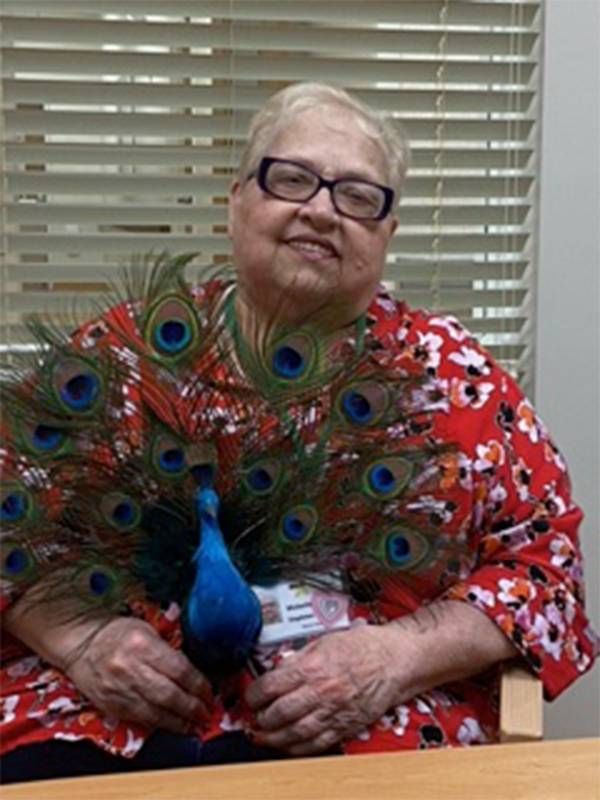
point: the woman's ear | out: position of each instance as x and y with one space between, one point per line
234 193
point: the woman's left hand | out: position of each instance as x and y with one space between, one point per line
328 691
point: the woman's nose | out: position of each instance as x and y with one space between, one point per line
320 209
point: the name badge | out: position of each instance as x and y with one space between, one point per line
293 610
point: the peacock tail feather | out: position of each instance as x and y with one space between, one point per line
315 448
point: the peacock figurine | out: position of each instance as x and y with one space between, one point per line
156 455
221 640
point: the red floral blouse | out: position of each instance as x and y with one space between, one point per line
503 503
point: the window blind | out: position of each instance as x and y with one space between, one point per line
122 124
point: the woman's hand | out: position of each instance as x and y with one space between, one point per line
127 670
344 681
326 692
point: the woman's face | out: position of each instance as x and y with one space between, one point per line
307 252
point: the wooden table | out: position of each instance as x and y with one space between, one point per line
556 770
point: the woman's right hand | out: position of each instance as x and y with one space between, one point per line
127 670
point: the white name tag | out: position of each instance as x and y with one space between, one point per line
294 610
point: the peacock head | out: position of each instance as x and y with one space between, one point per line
207 504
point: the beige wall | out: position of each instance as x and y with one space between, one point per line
568 328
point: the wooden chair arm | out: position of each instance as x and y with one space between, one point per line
521 705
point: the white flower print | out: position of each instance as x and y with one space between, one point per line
133 744
522 479
562 551
470 731
553 455
465 393
229 724
557 617
92 333
57 710
490 456
173 612
400 720
432 396
523 617
442 510
24 666
423 706
68 737
527 421
481 598
517 536
385 302
7 708
514 592
474 362
452 326
427 350
547 636
553 502
496 498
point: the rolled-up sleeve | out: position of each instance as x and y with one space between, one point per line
528 576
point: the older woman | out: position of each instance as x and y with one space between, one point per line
312 213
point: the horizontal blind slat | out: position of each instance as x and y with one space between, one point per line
344 36
357 73
404 274
94 184
177 213
177 126
411 12
63 302
454 157
406 100
216 243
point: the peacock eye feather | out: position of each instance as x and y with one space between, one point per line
120 511
17 561
263 477
363 403
172 460
99 584
168 457
401 548
298 524
386 478
294 357
397 550
171 328
16 504
47 438
289 365
43 439
77 386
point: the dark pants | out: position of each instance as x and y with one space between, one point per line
58 759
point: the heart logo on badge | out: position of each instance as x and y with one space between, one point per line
329 609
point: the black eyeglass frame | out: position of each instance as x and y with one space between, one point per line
261 178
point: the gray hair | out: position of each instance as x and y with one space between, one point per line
284 105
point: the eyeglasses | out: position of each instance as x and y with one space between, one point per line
351 197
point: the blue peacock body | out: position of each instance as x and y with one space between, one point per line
156 456
220 641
